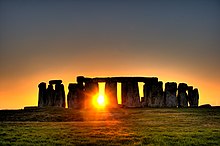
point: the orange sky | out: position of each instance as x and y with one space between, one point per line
24 92
43 40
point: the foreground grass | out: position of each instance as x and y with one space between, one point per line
111 127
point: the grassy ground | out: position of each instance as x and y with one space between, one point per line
150 126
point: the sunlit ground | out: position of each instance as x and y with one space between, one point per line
147 126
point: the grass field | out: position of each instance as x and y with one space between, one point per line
148 126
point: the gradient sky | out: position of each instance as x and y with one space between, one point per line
54 39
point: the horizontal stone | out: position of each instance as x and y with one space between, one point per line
55 82
118 79
190 88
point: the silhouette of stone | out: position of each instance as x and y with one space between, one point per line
195 98
73 97
170 94
111 94
80 80
42 95
132 95
182 95
190 95
50 95
51 82
155 95
91 93
59 95
85 93
205 106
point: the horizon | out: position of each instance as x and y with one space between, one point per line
42 40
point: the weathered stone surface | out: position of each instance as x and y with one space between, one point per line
195 99
59 95
42 95
73 97
132 95
50 95
155 97
170 94
190 95
91 93
111 94
55 82
147 93
182 95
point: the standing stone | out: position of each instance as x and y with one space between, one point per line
147 93
155 97
111 94
190 95
81 90
170 94
59 95
195 98
91 93
50 95
182 95
133 97
63 96
73 97
80 80
148 88
42 95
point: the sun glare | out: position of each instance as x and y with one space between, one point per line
99 101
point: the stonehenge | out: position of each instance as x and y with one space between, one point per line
182 95
170 94
111 94
51 96
84 93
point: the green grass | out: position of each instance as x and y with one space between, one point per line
148 126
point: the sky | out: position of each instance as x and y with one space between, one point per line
173 40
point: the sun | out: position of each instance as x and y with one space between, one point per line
99 101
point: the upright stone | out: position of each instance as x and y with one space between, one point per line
42 95
111 94
91 93
156 98
133 97
73 97
80 80
170 94
50 95
149 87
195 98
147 93
81 90
63 96
182 95
190 95
59 95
